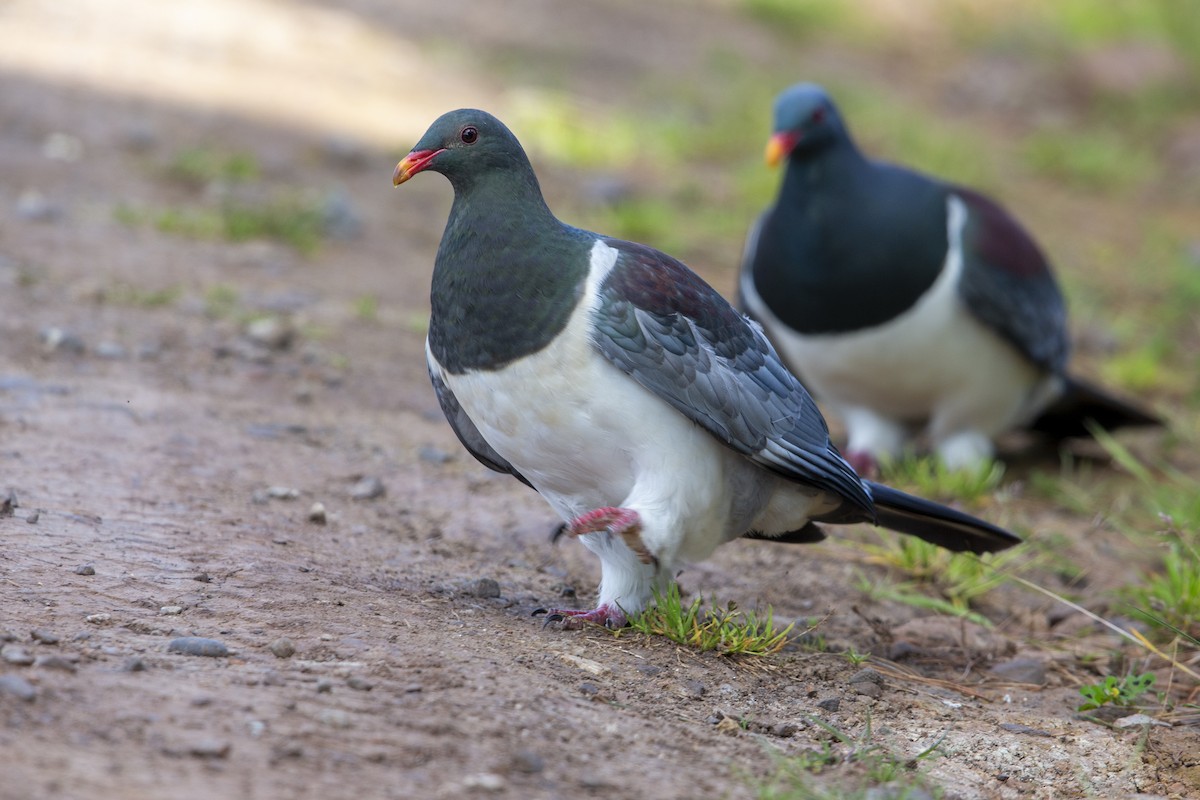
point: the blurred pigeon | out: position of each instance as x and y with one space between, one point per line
656 420
907 305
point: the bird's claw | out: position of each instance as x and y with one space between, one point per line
609 616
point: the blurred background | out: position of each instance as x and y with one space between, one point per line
210 292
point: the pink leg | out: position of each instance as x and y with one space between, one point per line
623 522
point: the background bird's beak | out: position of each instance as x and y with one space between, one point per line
413 163
779 146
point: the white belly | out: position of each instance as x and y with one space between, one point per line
934 367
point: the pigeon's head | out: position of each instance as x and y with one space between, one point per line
463 145
805 120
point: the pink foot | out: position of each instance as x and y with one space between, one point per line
610 616
864 463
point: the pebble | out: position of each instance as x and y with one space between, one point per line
111 351
484 587
1021 670
649 669
282 647
85 569
171 611
98 619
434 455
528 761
7 636
339 218
487 781
8 501
324 686
693 689
282 492
44 636
274 333
197 646
369 488
17 655
334 718
18 687
34 206
33 516
134 664
54 661
316 513
63 147
830 704
359 683
55 339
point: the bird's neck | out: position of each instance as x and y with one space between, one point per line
835 166
507 276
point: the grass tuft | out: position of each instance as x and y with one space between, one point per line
728 631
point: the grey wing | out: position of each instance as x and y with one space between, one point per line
468 434
1008 285
672 333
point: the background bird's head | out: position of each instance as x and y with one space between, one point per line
805 121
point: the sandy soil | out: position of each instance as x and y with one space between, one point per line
149 444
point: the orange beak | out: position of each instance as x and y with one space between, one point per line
413 163
780 146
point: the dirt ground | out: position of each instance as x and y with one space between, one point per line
165 456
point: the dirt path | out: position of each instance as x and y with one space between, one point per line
150 433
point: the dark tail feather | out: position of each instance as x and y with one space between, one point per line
936 523
1068 416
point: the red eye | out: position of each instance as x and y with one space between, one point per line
469 134
818 115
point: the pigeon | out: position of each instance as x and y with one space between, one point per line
909 306
656 420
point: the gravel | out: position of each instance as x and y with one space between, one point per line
198 646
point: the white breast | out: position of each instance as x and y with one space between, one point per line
586 435
932 362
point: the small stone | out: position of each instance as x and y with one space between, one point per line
369 488
316 513
335 718
85 569
1135 720
273 678
589 689
57 339
359 683
54 661
434 455
784 730
693 689
64 147
729 726
649 669
111 351
830 704
528 761
98 619
282 647
868 689
16 655
484 587
33 516
274 333
134 664
7 636
34 206
8 502
324 686
18 687
208 748
171 611
487 781
1021 670
867 675
197 646
203 577
282 493
44 636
